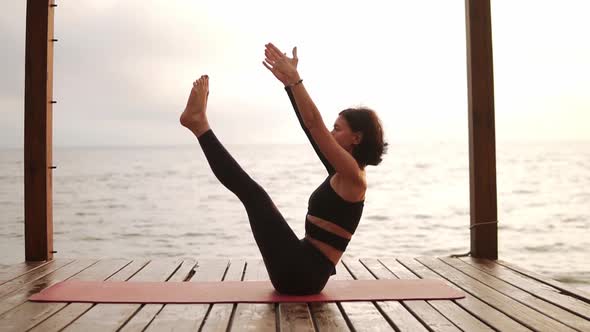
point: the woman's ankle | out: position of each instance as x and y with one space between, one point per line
201 128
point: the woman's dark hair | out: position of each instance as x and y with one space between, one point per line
372 146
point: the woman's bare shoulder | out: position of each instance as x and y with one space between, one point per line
349 189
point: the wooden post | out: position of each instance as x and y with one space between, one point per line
38 131
482 146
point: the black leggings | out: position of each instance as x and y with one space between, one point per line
294 265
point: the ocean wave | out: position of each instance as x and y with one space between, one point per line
524 192
377 217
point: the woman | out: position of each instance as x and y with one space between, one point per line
299 266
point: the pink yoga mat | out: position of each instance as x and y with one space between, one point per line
242 291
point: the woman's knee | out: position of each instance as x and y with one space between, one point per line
251 193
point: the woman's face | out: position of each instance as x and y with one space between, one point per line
344 135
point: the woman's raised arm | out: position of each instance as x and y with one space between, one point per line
325 161
342 161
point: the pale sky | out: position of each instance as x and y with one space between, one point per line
123 69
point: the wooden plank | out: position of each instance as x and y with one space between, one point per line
476 307
449 309
27 314
404 315
38 131
21 295
565 288
295 317
536 288
361 315
482 145
522 313
72 311
16 283
110 316
550 310
220 315
147 312
255 316
189 317
16 270
329 316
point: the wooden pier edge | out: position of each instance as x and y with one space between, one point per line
498 298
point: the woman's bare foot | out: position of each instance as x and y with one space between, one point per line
194 116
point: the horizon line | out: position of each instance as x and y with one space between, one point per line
456 141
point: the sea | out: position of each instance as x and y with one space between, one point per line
153 202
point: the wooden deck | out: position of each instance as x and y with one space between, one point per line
500 296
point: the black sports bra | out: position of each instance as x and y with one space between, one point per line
326 204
